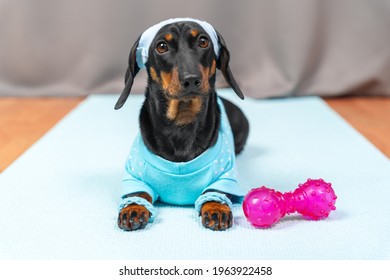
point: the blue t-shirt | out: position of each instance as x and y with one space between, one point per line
181 183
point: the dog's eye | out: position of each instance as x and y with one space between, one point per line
162 47
203 42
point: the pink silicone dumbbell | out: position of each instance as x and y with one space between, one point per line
314 199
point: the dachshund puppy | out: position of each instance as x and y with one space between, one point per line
185 151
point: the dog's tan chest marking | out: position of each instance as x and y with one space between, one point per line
183 112
173 106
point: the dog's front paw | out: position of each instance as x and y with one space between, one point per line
133 217
216 216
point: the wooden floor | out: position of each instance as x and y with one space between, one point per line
24 120
369 115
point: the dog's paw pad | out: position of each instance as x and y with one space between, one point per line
216 216
133 217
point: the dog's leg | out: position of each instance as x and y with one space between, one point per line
216 216
134 216
239 124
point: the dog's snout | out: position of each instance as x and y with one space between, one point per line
191 82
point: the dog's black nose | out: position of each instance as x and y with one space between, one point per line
191 82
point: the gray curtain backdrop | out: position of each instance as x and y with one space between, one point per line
278 48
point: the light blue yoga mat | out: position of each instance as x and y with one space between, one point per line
59 199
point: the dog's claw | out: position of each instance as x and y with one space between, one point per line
142 217
135 225
230 220
133 217
223 220
216 216
205 219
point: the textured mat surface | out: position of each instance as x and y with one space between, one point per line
59 199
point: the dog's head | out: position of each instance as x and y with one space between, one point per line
181 57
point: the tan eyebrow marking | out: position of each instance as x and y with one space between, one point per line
194 32
168 36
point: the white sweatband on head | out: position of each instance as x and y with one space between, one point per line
149 34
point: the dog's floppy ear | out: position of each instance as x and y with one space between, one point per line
131 71
223 65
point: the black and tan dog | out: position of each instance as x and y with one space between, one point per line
180 117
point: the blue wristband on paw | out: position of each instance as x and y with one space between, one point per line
212 196
140 201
